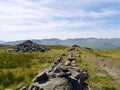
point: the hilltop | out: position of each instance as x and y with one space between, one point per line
113 43
103 66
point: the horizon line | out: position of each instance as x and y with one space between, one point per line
58 38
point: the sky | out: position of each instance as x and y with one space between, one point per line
63 19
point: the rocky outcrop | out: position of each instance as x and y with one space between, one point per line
73 48
61 75
29 46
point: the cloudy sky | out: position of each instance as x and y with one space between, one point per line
39 19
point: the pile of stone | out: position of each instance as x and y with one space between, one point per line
73 48
61 75
29 46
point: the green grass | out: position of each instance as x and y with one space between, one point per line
14 60
22 67
57 47
8 77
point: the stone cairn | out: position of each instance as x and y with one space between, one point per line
29 46
61 75
73 48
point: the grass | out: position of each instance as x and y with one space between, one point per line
14 60
16 68
57 47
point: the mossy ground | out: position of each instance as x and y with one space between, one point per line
22 67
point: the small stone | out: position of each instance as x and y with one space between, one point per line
67 63
76 75
67 74
57 70
72 59
41 78
21 87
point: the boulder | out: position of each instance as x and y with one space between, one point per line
41 78
53 84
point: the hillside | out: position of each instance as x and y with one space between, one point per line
103 66
84 42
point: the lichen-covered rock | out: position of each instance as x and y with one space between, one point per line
53 84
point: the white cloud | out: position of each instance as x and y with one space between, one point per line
45 15
59 34
104 13
42 26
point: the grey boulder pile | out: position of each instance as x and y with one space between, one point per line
29 46
61 75
73 48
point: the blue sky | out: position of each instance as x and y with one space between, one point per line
40 19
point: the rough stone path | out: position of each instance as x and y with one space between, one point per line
61 75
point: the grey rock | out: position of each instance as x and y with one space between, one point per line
54 84
57 70
72 59
29 46
40 78
67 63
61 76
22 86
71 49
76 46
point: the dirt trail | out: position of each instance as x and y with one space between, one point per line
112 67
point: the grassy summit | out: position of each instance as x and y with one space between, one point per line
20 67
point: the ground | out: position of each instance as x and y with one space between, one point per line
103 66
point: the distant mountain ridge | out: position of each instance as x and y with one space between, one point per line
95 43
1 42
